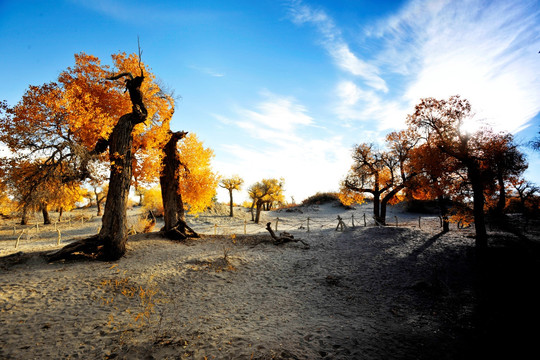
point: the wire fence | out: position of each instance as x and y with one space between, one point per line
313 224
73 227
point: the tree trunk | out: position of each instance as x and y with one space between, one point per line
45 212
174 216
114 222
24 217
443 207
478 206
98 204
60 212
260 204
251 209
502 194
376 207
231 203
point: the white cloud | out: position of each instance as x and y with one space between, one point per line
334 44
485 51
284 149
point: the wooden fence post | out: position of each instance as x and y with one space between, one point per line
352 218
277 221
419 222
245 224
308 224
365 224
59 237
18 239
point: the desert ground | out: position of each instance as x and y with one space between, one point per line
362 292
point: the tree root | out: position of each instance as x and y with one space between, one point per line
284 237
89 247
181 231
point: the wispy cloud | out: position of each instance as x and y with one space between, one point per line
333 42
147 13
485 51
207 71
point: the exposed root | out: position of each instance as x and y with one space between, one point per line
90 247
181 231
284 237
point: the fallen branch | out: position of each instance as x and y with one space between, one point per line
284 237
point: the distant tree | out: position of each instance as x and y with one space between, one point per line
527 192
504 160
233 183
100 194
265 192
382 174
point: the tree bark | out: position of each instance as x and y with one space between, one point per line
258 211
478 206
502 194
175 227
251 210
230 203
45 212
24 217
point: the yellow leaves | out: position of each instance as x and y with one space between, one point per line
198 183
233 183
348 197
152 201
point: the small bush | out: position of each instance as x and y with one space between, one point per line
152 201
321 198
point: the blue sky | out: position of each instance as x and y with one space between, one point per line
286 88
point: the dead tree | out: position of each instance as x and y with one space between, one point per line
175 227
284 237
110 243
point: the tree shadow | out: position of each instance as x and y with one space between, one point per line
414 255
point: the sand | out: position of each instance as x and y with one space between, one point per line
362 293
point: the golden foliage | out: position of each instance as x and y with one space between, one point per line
235 182
198 182
152 201
349 197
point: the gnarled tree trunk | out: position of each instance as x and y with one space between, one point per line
175 227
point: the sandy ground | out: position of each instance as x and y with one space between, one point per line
362 293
